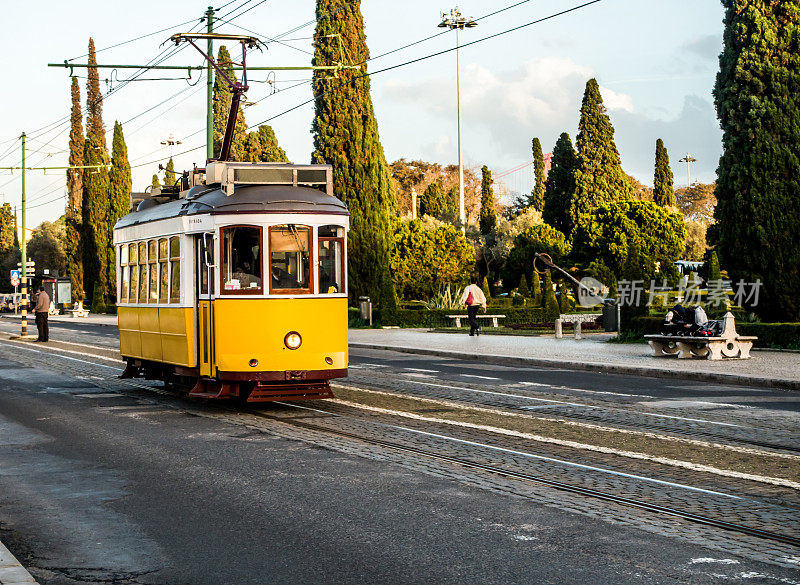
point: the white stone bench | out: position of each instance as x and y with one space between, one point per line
577 320
494 318
728 345
78 311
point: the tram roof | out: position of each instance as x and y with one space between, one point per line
205 200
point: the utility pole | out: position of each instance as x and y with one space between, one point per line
209 88
23 249
458 22
171 142
688 159
23 234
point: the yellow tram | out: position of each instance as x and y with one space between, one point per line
236 283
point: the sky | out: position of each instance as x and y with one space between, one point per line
655 60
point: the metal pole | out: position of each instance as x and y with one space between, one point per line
461 212
23 249
210 88
688 174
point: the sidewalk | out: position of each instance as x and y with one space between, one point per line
765 368
89 320
11 571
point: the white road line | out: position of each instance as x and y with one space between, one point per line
415 374
555 402
100 395
20 345
702 420
479 377
529 455
535 384
422 370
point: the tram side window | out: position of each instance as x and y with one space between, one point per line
122 271
163 270
241 260
152 257
175 270
142 272
331 259
289 259
133 274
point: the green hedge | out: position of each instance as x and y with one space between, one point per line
774 335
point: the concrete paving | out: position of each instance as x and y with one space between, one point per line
593 353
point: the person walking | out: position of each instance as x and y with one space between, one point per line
42 310
473 298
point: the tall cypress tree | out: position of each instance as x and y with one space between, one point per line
155 183
94 101
488 215
663 191
549 302
169 173
222 106
120 186
536 199
757 95
252 148
95 217
346 136
73 246
270 149
599 177
560 185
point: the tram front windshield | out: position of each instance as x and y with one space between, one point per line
289 262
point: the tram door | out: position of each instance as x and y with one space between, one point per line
205 305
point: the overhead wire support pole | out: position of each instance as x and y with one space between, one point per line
23 249
209 88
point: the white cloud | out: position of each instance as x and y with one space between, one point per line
616 101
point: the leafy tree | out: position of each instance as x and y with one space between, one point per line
523 287
695 247
169 173
450 209
697 202
73 240
269 148
423 260
418 174
492 249
346 136
663 191
560 185
599 177
119 195
46 246
222 105
537 290
8 229
551 309
94 100
641 192
757 94
540 238
632 238
155 183
536 199
432 201
95 217
488 218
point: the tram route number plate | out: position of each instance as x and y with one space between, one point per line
295 374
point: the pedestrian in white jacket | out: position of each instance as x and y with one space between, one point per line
474 299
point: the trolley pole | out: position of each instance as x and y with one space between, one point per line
210 88
23 249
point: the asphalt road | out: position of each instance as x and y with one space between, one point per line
99 487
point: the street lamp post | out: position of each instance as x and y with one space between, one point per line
456 21
170 142
688 159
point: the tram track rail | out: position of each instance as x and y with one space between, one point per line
531 478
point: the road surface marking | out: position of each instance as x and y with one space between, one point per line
479 377
422 370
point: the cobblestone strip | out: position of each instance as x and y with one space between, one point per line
11 570
282 424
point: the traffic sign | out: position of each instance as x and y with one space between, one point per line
15 275
15 282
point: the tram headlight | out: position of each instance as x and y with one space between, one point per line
292 340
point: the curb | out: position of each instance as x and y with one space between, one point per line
51 320
11 571
501 360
